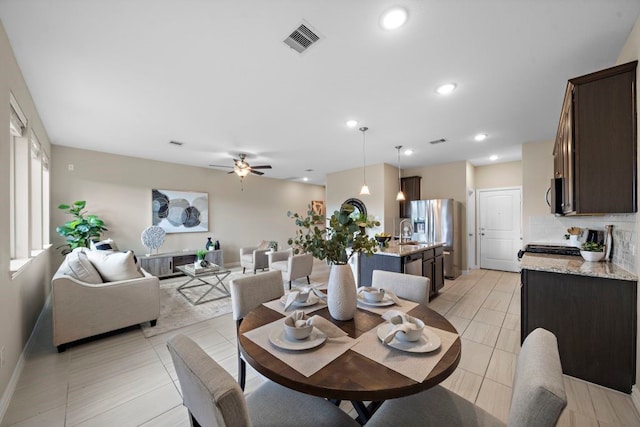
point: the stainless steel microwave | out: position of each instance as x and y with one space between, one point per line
556 196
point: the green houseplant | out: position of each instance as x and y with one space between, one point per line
201 253
81 229
592 251
345 231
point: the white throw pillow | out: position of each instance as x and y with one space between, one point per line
77 265
115 266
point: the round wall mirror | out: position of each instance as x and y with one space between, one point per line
359 206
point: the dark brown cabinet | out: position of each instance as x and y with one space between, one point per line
428 263
595 147
410 186
594 320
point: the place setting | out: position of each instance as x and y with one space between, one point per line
307 344
306 298
401 339
378 300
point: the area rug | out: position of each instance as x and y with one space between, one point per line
176 312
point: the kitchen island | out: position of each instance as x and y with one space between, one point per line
591 308
418 259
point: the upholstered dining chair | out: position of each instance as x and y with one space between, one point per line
213 398
254 258
292 266
248 293
407 286
537 399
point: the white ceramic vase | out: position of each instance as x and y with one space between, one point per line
342 297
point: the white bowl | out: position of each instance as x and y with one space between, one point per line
414 334
297 333
373 295
592 256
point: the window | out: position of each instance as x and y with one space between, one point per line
29 183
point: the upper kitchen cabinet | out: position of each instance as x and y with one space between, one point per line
410 186
595 148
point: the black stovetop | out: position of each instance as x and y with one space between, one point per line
537 248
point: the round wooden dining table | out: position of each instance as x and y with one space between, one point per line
351 376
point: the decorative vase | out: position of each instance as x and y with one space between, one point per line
342 297
208 244
216 245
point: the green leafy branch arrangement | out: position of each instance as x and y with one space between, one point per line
345 230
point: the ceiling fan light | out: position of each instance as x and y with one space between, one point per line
241 172
364 190
400 196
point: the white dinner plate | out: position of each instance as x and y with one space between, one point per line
312 299
429 341
386 300
278 338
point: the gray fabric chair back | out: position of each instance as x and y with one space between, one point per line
249 292
210 394
407 286
538 390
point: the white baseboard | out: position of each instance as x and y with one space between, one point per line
635 397
5 400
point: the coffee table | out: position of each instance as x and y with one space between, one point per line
201 275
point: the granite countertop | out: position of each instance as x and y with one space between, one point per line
403 250
567 264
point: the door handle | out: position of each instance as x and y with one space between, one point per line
482 234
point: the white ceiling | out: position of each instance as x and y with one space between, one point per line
128 76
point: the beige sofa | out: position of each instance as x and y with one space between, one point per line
87 301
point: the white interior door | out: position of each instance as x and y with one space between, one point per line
500 218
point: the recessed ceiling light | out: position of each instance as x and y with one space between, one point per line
352 123
446 88
480 137
408 152
493 158
394 18
305 179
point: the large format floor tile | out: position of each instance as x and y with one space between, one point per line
127 380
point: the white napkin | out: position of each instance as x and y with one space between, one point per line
387 292
291 298
298 318
403 322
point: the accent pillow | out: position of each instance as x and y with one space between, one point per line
104 245
115 266
77 265
263 245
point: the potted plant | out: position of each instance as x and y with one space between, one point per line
344 237
592 251
201 253
81 229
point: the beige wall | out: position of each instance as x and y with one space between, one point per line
498 175
22 296
118 189
631 52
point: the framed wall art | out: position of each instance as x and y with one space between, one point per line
180 211
317 206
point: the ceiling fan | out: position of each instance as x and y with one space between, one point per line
242 167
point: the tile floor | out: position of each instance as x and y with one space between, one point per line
127 380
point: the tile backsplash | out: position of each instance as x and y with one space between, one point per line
551 229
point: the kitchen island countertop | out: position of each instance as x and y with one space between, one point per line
403 250
566 264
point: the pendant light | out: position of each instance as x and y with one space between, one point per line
365 188
400 195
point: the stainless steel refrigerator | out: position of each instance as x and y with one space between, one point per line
439 220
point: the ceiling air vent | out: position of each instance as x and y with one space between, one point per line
176 143
302 38
437 141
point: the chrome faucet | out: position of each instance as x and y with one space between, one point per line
409 230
